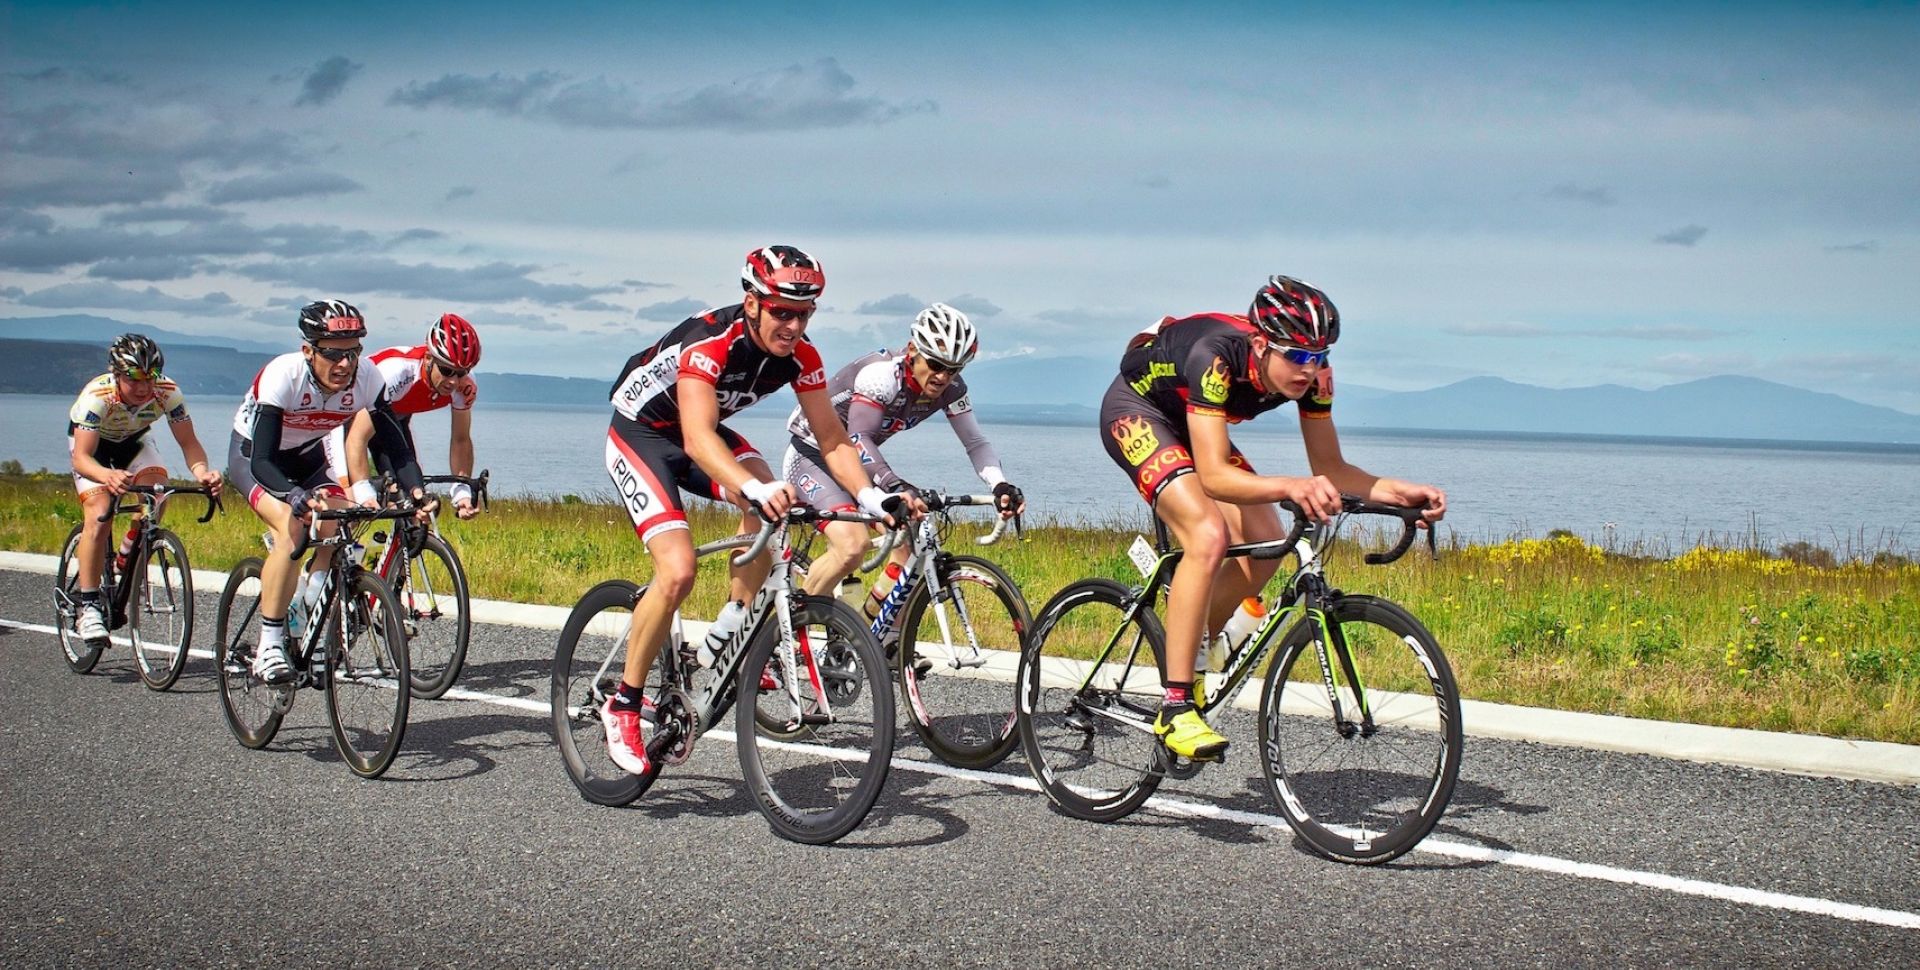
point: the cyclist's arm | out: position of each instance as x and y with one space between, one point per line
986 463
266 441
842 456
700 432
359 438
85 440
389 441
1212 453
460 443
1323 453
863 428
191 450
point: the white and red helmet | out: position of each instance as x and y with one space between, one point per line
453 342
785 272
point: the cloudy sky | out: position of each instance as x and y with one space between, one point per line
1560 194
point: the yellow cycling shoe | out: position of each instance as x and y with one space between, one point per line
1188 735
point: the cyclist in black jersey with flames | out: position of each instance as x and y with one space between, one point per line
1164 420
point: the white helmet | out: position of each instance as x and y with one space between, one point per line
943 334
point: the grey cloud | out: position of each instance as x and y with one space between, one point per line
897 305
817 95
641 285
326 80
146 268
89 185
413 235
974 306
67 247
1655 333
135 137
598 306
1155 181
521 321
672 311
1534 330
106 296
61 75
1683 236
1860 248
459 192
166 213
12 292
1598 195
280 185
21 220
489 283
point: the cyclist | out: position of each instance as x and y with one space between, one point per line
107 437
667 434
277 455
876 397
1164 421
437 374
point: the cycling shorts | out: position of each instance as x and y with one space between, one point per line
305 466
134 455
815 485
1151 449
650 465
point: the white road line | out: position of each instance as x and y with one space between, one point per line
1811 905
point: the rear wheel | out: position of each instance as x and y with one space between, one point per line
818 774
366 671
253 709
1362 768
432 596
957 657
587 665
160 610
1088 691
80 654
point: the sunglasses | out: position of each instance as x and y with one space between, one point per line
1295 355
454 373
335 354
141 376
787 314
941 367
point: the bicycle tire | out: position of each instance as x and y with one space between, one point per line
963 714
81 655
160 610
817 784
366 675
594 630
1355 795
251 707
1085 732
436 642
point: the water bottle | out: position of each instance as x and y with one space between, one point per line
878 594
126 549
724 627
1240 626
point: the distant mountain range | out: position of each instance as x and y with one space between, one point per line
55 355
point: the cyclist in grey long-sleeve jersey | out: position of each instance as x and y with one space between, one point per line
878 396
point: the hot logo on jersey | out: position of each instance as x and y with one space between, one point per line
1136 438
1213 383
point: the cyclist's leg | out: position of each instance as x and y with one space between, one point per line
1244 576
95 500
846 541
1200 529
742 581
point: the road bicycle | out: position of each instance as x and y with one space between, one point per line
353 648
149 593
1360 736
952 627
814 734
430 585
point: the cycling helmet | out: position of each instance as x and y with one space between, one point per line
785 272
454 343
1293 312
943 334
132 353
331 318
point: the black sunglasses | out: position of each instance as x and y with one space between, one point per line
787 314
942 367
452 372
336 354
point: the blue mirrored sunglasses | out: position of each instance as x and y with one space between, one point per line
1295 355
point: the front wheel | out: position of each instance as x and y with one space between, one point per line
81 655
588 663
957 657
1088 691
1360 735
160 610
366 671
819 772
252 707
432 594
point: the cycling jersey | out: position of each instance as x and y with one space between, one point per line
100 410
877 398
404 369
713 347
280 429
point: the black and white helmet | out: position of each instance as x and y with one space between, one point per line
135 355
331 318
945 335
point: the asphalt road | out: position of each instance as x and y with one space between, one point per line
134 831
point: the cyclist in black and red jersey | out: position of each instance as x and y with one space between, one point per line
437 374
667 435
1164 420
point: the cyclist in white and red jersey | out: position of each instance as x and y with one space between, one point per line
437 374
277 456
107 436
667 435
878 396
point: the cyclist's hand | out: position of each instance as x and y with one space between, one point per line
893 507
465 509
1316 496
1009 500
772 498
1431 502
424 506
116 481
211 479
300 502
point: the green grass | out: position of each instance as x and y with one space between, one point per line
1737 637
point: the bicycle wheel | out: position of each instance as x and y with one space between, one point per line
366 676
80 654
1364 769
587 663
252 708
1088 691
817 781
160 610
958 657
432 594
